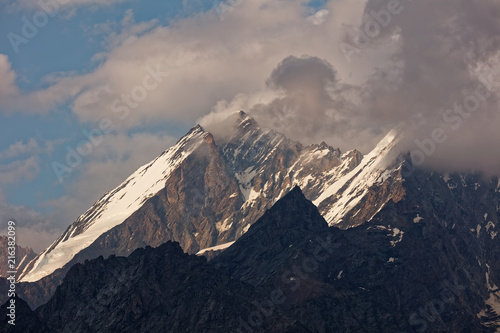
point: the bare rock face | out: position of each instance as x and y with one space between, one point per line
23 256
277 233
221 189
396 273
390 189
198 195
25 321
153 290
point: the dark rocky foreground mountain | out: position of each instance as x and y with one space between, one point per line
152 290
23 256
389 275
421 264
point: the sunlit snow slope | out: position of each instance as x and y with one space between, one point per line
213 195
347 192
113 208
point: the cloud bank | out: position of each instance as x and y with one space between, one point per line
397 68
345 74
440 77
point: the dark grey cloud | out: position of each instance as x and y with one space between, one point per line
439 43
302 110
439 47
442 80
312 106
302 74
33 229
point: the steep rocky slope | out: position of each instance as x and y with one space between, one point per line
404 271
23 256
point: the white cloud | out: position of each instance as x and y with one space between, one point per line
116 33
19 171
33 229
62 4
208 59
8 87
319 17
20 148
304 100
230 51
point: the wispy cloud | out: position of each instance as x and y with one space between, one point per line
204 56
33 229
20 148
8 87
19 171
407 68
32 5
116 33
21 161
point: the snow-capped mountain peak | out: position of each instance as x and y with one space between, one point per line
340 198
210 187
114 207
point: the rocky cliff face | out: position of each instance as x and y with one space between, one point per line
25 321
403 271
153 290
23 256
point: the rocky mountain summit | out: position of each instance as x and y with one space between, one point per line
203 192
